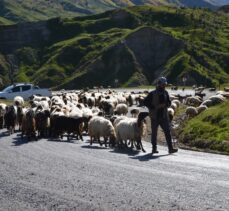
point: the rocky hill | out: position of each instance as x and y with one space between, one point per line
224 8
134 45
14 11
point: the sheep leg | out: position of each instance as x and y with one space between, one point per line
35 136
105 141
100 142
141 146
79 133
125 143
91 141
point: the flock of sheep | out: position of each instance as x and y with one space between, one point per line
196 104
96 113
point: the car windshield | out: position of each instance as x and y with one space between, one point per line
7 89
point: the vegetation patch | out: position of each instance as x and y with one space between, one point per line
209 130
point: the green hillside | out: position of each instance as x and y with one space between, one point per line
209 130
32 10
134 45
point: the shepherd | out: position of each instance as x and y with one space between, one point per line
158 101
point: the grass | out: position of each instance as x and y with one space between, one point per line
209 130
77 44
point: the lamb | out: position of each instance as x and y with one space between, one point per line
191 111
121 109
132 129
99 126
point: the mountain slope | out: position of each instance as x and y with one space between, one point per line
134 45
32 10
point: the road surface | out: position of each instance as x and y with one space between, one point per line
54 175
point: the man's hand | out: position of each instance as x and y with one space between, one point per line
162 105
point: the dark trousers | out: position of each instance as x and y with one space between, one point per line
165 125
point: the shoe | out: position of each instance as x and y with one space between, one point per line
154 151
173 151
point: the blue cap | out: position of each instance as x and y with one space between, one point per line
162 80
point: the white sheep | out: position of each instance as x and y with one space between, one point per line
132 129
177 102
191 111
207 103
174 106
75 113
201 108
217 99
2 113
193 101
100 127
171 113
121 109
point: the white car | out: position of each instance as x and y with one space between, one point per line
24 90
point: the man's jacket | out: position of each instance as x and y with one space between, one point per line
157 102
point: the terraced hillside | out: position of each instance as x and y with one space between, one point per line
134 45
31 10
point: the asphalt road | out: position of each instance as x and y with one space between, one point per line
54 175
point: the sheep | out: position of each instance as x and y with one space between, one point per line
99 126
20 114
107 106
193 101
121 109
212 89
201 108
130 99
91 102
191 111
61 124
223 93
174 106
10 118
117 119
75 113
177 102
134 112
171 113
132 129
2 113
217 99
207 103
19 101
42 118
29 125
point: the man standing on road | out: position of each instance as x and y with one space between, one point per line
157 102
